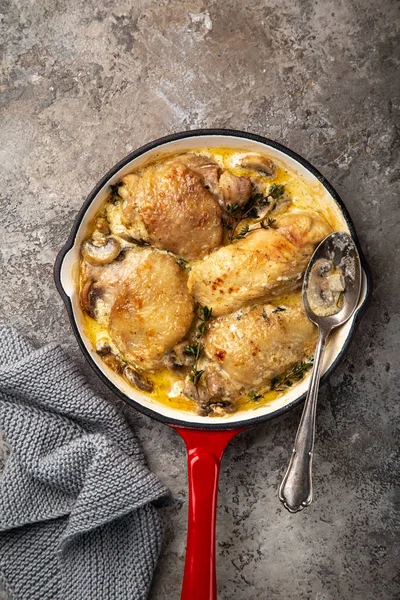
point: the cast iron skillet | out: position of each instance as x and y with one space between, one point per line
205 438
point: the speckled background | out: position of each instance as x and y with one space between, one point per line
84 84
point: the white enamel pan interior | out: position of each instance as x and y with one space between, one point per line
67 261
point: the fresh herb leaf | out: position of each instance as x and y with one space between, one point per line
236 213
195 376
255 204
280 382
268 223
276 191
256 200
192 350
243 232
231 209
204 314
279 309
274 381
254 397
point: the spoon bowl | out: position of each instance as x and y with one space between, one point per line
341 251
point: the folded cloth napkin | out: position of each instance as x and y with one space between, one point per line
76 514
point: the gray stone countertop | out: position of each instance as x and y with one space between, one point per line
86 83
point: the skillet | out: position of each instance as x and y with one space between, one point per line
205 438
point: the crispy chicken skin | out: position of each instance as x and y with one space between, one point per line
180 215
143 300
252 346
267 262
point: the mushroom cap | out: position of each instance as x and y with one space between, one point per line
257 162
103 254
137 379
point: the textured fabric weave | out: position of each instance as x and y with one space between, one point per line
76 519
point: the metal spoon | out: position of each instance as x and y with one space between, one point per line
296 488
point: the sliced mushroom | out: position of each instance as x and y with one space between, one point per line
89 296
216 409
176 359
114 362
137 379
199 393
208 404
257 162
220 409
214 387
274 206
234 189
281 204
278 201
103 347
101 254
220 386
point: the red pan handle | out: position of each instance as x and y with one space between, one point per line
205 450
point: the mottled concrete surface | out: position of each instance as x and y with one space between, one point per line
85 83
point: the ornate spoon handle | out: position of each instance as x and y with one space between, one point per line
296 488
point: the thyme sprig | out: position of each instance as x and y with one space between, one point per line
195 375
279 309
192 350
236 214
267 223
282 382
242 233
196 350
276 191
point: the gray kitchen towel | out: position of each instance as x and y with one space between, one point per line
76 514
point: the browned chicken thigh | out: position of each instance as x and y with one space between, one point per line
267 262
143 300
254 345
178 212
245 350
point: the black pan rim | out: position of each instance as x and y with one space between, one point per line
208 426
